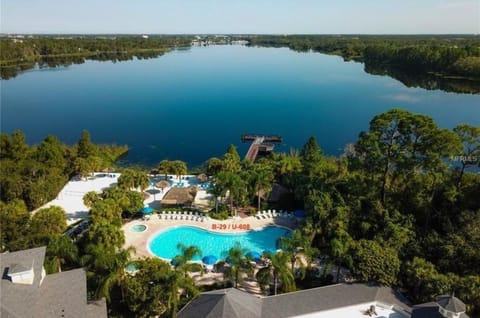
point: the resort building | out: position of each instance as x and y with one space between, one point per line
445 306
26 290
341 300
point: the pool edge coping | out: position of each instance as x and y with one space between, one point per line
147 244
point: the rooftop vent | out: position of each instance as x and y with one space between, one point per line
20 274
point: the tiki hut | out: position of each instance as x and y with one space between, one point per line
162 184
202 178
179 197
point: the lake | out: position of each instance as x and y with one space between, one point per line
191 104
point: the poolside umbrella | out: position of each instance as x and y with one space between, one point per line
202 177
254 255
299 213
147 210
209 260
163 184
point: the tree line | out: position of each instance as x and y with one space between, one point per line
451 62
17 55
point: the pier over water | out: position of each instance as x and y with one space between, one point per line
260 144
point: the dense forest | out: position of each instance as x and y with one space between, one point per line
20 54
35 175
450 63
400 207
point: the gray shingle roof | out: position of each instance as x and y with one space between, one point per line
229 303
58 295
429 310
329 297
451 303
18 300
97 309
234 303
63 295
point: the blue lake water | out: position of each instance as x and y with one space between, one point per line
217 244
190 105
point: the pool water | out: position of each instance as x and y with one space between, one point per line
164 244
138 228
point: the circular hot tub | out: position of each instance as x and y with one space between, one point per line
138 228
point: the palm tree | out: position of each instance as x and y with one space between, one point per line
239 265
106 265
339 248
233 183
90 198
178 284
296 244
214 165
262 180
165 167
182 261
141 180
286 166
106 211
179 168
127 179
105 234
231 160
277 270
60 251
115 272
217 190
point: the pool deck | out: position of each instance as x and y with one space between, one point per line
139 240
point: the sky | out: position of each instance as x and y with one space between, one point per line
241 16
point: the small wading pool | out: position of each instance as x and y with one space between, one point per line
164 244
138 228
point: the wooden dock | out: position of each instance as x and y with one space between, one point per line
260 144
266 138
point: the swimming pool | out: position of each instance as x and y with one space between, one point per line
164 244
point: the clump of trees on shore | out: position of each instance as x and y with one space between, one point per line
450 63
51 51
36 174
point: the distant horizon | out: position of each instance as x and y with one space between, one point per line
240 34
241 17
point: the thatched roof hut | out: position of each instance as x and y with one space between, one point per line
179 196
162 184
202 177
